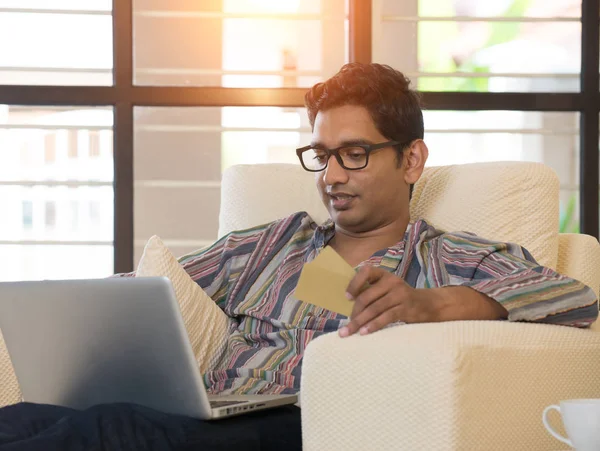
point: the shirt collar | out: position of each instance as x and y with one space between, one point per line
391 259
323 234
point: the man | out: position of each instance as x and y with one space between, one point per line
367 151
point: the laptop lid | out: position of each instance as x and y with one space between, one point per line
78 343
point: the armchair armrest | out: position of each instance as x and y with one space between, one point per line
579 258
445 386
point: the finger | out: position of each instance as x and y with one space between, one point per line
373 311
365 275
372 293
388 317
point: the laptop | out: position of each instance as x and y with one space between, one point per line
79 343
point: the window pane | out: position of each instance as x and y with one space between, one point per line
70 48
457 137
238 43
467 45
60 213
498 8
58 144
38 262
71 5
56 175
180 153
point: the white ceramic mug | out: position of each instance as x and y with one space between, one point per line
581 418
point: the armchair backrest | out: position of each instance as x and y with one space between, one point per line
514 202
508 201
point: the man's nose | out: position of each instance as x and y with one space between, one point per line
334 173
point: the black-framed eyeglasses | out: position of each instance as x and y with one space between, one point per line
350 157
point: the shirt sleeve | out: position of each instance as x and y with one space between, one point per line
509 274
223 269
218 267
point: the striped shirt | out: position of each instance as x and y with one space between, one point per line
252 275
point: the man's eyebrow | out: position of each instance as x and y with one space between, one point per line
344 143
354 142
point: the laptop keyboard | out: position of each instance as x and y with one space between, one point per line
217 404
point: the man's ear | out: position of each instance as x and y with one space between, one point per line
414 159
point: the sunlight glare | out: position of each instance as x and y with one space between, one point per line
266 6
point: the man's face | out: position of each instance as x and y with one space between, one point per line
365 199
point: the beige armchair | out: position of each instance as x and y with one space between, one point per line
451 386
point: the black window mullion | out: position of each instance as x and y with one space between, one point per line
123 135
217 96
360 31
588 162
150 96
517 101
57 95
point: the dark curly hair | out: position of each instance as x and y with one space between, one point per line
385 92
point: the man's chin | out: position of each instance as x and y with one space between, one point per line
346 219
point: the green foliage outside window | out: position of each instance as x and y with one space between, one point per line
569 222
433 59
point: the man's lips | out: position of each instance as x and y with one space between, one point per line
341 201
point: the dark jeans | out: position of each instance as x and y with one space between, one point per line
119 427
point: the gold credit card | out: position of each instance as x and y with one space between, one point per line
323 282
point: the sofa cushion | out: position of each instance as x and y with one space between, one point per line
10 393
206 324
497 201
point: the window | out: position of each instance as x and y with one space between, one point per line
50 215
52 56
74 219
253 43
46 172
27 215
194 87
92 138
550 138
49 148
181 153
469 45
